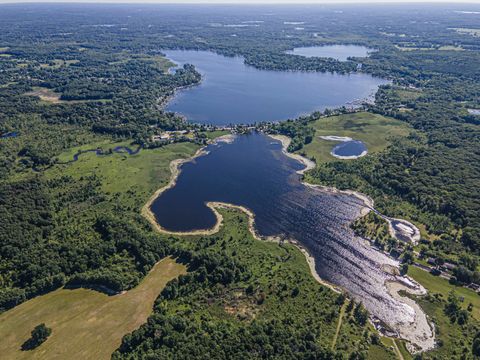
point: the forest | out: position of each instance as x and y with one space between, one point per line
95 75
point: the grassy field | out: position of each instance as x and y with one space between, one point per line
374 130
130 178
47 96
454 340
438 285
85 324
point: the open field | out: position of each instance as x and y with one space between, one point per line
454 339
441 48
46 95
436 284
134 178
50 97
58 63
85 323
374 130
158 61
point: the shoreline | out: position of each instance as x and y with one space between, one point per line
368 205
352 157
285 140
175 172
420 331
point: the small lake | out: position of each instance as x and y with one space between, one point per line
254 172
338 52
234 93
350 149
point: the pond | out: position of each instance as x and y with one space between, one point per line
350 149
234 93
339 52
254 172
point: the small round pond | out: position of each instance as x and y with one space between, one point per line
351 149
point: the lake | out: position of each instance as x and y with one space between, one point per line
234 93
254 172
339 52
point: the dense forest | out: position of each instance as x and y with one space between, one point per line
95 74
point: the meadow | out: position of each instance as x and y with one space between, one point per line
376 131
84 322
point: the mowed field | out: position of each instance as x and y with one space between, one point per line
374 130
85 324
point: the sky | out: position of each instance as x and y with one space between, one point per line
248 1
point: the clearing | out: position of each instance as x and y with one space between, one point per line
84 322
374 130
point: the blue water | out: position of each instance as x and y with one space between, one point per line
349 148
9 135
233 93
253 172
339 52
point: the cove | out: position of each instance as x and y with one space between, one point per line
233 93
338 52
253 172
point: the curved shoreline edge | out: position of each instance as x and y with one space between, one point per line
419 333
419 342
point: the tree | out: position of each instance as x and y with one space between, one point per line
476 347
38 336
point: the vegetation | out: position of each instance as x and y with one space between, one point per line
253 299
376 131
375 228
84 322
94 77
455 313
39 335
80 223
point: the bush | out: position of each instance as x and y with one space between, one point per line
39 335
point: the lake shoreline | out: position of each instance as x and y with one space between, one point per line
175 173
368 205
415 332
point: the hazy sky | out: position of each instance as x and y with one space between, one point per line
248 1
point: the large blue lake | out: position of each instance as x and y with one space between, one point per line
253 172
234 93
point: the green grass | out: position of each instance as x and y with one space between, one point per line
275 271
407 94
455 340
85 324
379 352
132 179
374 130
438 285
214 134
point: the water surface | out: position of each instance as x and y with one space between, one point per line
339 52
353 148
253 172
234 93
